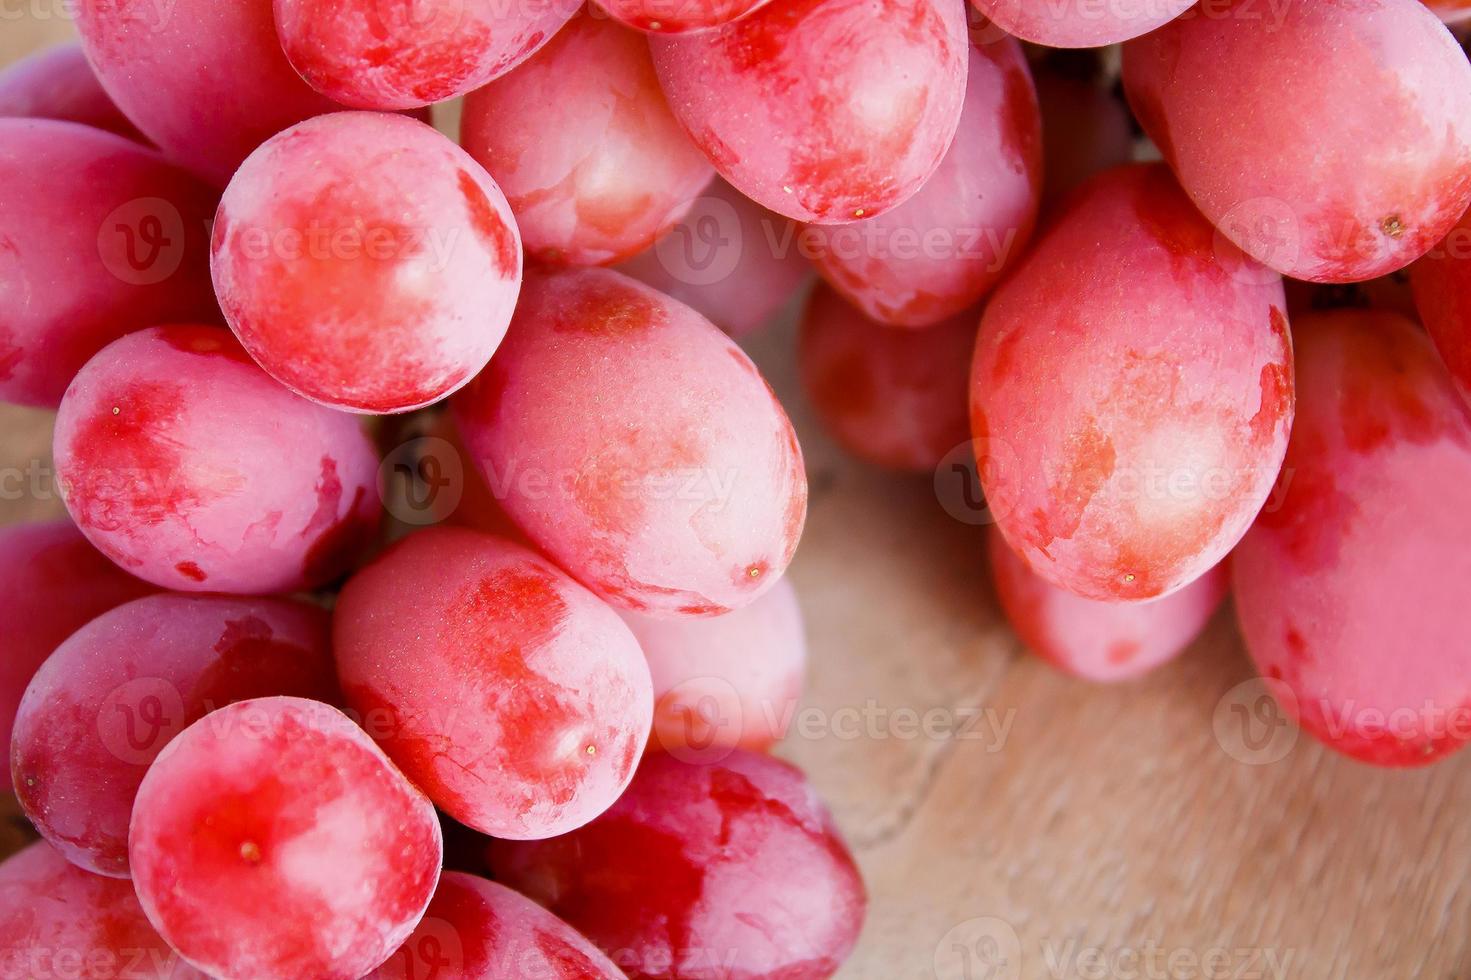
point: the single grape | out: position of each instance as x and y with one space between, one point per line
112 696
189 467
90 259
733 869
731 260
57 83
1131 393
638 446
894 398
366 262
373 55
823 110
585 148
1441 284
1079 23
511 694
677 16
273 839
478 930
939 252
38 563
1350 586
728 682
57 920
1328 169
1085 131
1101 641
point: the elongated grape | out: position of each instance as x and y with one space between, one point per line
1441 283
282 804
511 694
583 144
1331 170
939 252
373 55
677 16
110 698
90 259
366 262
732 869
169 452
638 446
1079 23
57 83
1131 393
1349 591
823 110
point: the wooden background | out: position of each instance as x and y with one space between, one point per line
1173 827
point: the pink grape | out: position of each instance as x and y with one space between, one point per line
478 930
511 694
57 83
282 806
583 144
1079 23
728 682
372 55
731 260
38 563
1085 131
894 398
938 253
1349 590
823 110
204 80
1441 283
733 869
366 262
169 453
637 446
57 920
90 259
677 16
1101 641
1450 11
1131 393
112 696
1330 170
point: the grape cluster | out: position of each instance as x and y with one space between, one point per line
249 695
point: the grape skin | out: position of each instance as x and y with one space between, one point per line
582 142
168 451
282 804
1441 284
512 695
1350 590
57 83
1079 23
85 263
1131 393
677 16
366 262
112 695
638 446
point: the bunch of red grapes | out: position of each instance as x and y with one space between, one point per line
245 711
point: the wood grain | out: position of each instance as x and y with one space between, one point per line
1168 828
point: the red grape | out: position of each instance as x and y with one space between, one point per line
1101 641
57 83
39 563
728 682
938 253
1442 289
1085 131
112 696
374 55
58 921
366 262
677 16
1450 11
512 695
1351 591
732 870
1131 393
894 398
583 143
478 930
823 110
84 260
272 838
207 81
169 452
1329 169
638 446
1080 23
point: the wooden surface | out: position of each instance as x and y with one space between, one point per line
1174 827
